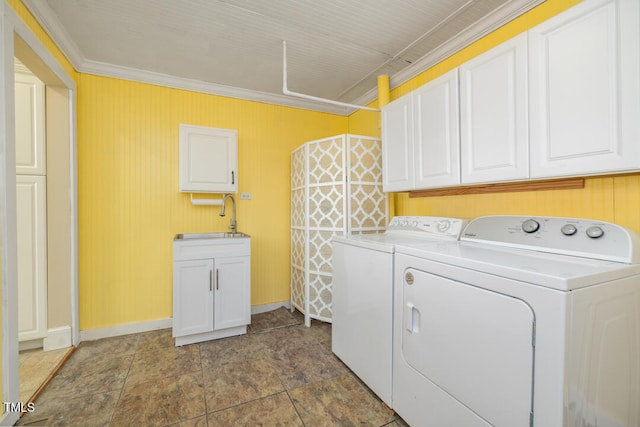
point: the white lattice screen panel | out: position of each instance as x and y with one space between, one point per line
336 189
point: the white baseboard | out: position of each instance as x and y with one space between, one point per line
30 345
57 338
257 309
133 328
126 329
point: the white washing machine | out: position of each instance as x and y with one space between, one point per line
362 295
523 322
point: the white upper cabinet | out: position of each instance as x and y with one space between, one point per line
420 137
493 114
585 90
436 132
208 160
397 145
562 99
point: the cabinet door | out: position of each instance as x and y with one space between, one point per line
208 160
232 292
436 133
192 297
397 145
32 256
585 91
30 123
493 114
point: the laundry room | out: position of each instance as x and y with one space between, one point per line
184 145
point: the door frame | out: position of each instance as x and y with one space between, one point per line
13 31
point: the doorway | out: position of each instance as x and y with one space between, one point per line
43 228
20 42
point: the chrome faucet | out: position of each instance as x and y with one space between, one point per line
233 225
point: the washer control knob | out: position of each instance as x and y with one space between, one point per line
595 232
568 229
444 225
530 226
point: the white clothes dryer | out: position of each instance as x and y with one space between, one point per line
523 322
362 294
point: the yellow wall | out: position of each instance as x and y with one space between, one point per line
130 206
615 199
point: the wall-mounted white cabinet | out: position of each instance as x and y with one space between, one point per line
436 132
585 90
493 114
420 146
211 288
562 99
208 159
397 146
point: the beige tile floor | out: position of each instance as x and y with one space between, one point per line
280 374
35 366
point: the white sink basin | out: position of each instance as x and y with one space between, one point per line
218 235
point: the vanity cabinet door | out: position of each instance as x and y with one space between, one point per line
193 297
232 299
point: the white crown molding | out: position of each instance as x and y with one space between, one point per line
47 18
126 73
498 18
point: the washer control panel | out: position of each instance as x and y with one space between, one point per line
428 226
567 236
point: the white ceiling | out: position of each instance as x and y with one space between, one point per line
335 48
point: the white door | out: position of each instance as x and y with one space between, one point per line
397 145
436 132
493 114
232 285
192 297
584 93
31 205
31 198
474 344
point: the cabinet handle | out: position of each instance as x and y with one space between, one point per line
216 279
210 280
233 177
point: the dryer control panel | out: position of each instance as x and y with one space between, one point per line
566 236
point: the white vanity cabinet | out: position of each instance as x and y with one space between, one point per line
208 159
211 288
493 115
585 90
420 137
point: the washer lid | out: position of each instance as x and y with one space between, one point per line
561 272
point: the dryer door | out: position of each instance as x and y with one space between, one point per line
475 344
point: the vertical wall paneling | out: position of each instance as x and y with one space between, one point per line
130 204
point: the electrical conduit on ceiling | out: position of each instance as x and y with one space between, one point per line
286 91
